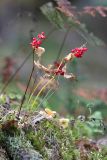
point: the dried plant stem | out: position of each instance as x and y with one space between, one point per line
46 97
12 77
33 85
24 96
50 32
42 90
34 90
82 35
62 44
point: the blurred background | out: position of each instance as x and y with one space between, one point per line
20 20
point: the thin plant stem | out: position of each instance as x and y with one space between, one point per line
62 44
45 85
34 90
42 90
50 32
46 97
82 35
24 96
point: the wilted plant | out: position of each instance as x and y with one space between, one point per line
52 71
54 137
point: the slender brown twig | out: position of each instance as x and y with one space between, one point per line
62 44
50 32
24 96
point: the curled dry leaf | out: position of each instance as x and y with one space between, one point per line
57 71
70 76
43 68
39 51
69 57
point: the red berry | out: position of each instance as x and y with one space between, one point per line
78 52
37 42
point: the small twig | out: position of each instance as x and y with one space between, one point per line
42 90
82 35
50 32
32 87
62 44
46 97
24 96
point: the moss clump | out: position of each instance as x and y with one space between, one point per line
45 135
21 149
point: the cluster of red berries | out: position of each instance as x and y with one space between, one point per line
78 52
58 65
36 42
59 70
